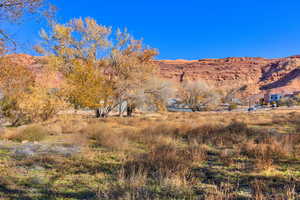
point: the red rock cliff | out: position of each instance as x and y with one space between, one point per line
258 73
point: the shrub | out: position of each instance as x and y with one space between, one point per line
33 106
232 107
41 104
30 133
263 163
27 97
161 133
10 109
72 125
161 129
103 135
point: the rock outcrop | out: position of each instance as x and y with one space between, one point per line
259 74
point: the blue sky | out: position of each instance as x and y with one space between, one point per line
191 29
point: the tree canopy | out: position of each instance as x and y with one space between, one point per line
12 11
102 68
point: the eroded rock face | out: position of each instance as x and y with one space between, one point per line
258 74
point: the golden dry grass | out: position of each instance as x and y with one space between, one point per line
30 133
171 156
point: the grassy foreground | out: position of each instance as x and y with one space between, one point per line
211 156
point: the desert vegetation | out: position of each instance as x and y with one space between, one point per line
157 156
88 120
85 65
88 66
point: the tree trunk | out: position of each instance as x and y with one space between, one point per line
130 109
97 112
100 113
120 110
122 107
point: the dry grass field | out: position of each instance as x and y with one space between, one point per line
213 156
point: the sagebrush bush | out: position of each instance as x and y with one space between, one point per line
105 136
69 126
30 133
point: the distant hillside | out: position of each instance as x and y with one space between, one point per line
259 74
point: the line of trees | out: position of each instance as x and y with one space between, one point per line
92 66
95 67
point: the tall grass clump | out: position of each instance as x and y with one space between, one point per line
225 191
31 133
156 134
220 135
168 166
104 136
167 160
269 149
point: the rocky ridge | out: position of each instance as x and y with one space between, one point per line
258 74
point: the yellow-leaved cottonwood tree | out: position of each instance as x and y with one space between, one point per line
15 79
27 97
40 103
102 70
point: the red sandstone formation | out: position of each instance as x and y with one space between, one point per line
259 74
